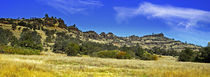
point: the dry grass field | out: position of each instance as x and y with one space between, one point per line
64 66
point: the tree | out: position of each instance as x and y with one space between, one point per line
187 55
208 44
139 51
21 23
90 47
72 49
39 28
74 25
129 51
62 41
147 56
6 36
14 26
204 55
113 54
19 28
30 39
46 16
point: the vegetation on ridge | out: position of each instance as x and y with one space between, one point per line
50 33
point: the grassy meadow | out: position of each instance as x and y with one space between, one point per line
58 65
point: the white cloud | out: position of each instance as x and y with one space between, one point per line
185 17
186 24
72 6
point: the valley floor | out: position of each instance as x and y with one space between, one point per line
64 66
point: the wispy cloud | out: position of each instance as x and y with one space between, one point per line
73 6
186 17
186 24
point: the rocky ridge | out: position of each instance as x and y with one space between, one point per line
52 23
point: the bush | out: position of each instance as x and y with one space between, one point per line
49 39
203 55
61 42
72 49
18 50
149 56
19 28
107 54
187 55
113 54
22 23
6 36
139 52
121 55
30 39
88 48
129 50
170 52
14 26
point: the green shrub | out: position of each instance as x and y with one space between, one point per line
6 36
139 52
62 41
49 39
72 49
107 54
149 56
187 55
203 55
30 39
14 26
121 55
113 54
22 23
18 50
131 51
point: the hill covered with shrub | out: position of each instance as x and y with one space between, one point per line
52 34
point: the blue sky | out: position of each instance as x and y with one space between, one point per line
185 20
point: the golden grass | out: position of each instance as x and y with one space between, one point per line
64 66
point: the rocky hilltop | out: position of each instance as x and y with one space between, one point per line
146 42
48 28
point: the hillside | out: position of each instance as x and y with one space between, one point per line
49 27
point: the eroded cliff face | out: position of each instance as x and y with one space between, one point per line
41 25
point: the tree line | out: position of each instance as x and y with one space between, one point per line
188 55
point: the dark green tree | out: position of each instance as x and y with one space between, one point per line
30 39
19 28
46 16
187 55
6 36
129 51
14 26
204 55
139 51
72 49
62 41
22 23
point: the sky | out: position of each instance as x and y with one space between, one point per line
184 20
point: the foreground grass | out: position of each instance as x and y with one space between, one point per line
63 66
